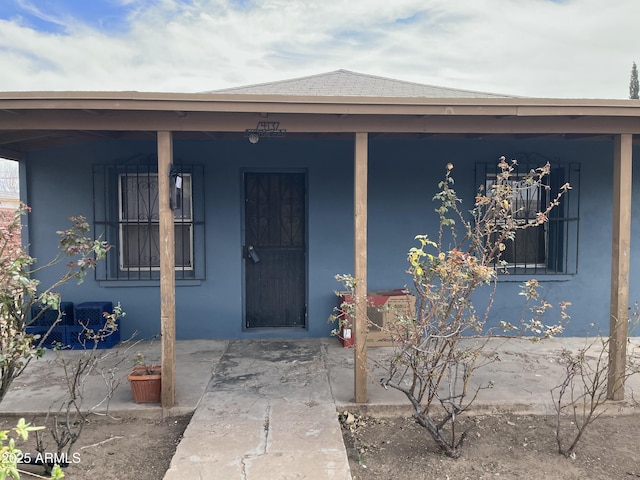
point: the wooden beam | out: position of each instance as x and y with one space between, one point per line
325 104
360 266
621 249
167 271
136 121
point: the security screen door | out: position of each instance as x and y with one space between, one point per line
275 250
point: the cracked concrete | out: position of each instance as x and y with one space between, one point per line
301 383
42 384
267 413
266 409
262 448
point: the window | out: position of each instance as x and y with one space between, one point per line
126 215
528 248
139 228
550 248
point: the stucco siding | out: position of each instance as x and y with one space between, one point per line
403 177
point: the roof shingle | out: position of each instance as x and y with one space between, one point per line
344 83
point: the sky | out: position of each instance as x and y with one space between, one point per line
532 48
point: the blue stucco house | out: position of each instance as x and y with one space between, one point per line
273 189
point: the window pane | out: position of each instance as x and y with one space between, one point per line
184 213
527 199
139 197
184 242
528 248
141 246
139 227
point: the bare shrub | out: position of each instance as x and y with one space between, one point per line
67 417
581 397
20 290
437 350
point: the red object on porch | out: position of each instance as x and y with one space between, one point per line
399 299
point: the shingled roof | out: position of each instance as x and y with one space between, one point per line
344 83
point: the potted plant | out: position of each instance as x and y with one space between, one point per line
145 381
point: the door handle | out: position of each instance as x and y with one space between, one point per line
253 255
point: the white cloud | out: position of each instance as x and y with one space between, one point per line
575 48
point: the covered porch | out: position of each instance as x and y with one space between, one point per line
32 121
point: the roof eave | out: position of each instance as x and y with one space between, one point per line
233 103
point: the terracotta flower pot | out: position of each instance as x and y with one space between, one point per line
146 383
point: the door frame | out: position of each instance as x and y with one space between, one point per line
243 172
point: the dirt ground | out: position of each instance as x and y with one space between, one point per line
123 449
498 447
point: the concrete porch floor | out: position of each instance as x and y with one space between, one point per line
266 409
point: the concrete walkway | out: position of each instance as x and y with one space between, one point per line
266 409
268 413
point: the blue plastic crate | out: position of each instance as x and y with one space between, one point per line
57 336
91 313
77 339
50 315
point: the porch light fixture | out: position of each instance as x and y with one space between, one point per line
264 129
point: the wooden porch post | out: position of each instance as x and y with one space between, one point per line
167 271
360 267
619 309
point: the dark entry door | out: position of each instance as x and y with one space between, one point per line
275 250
